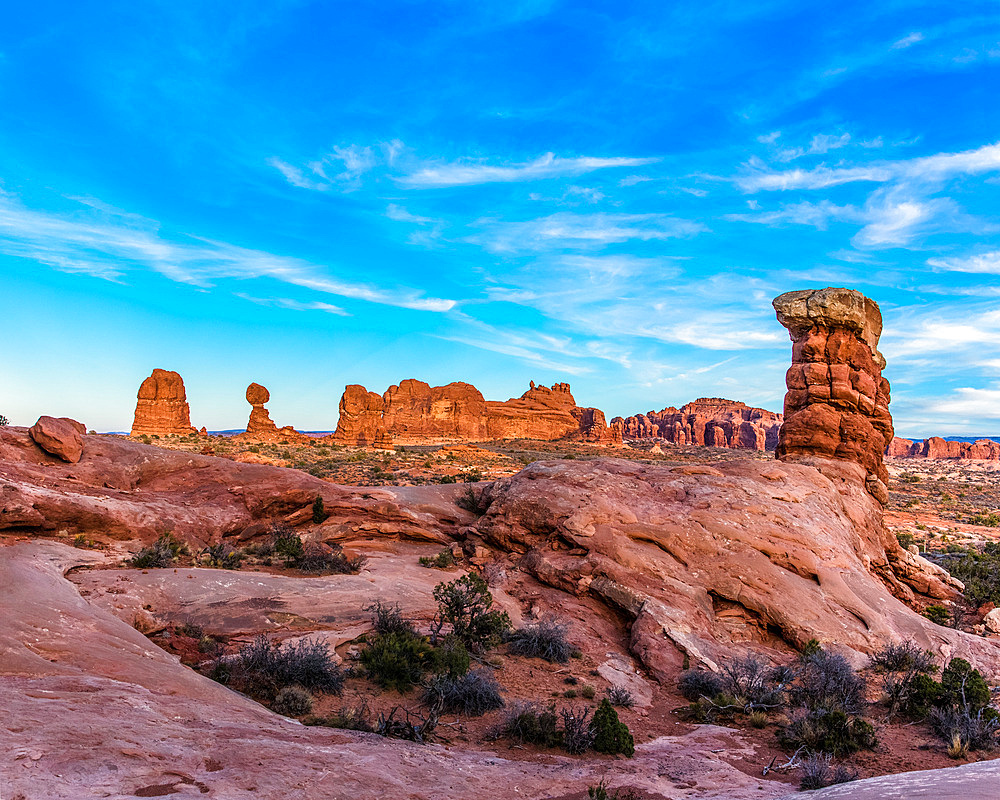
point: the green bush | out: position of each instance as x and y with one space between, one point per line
223 556
611 735
529 723
286 543
450 658
442 560
964 687
396 660
980 572
937 614
464 606
318 511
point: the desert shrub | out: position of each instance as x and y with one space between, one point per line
293 701
528 723
351 718
286 543
319 514
827 681
189 629
989 520
161 553
464 606
964 687
473 694
754 683
824 731
937 614
470 501
223 556
980 572
588 692
818 771
899 667
323 559
697 683
3 421
262 669
450 658
600 792
577 733
621 697
905 540
610 734
757 719
442 560
388 618
966 729
543 639
396 660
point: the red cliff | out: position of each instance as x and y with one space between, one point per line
708 421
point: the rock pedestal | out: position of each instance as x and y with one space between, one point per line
162 408
837 405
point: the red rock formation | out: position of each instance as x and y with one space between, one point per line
936 447
415 412
61 437
360 422
708 421
837 405
162 408
260 427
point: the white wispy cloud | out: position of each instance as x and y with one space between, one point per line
466 173
400 214
908 41
294 305
110 245
818 215
580 231
984 263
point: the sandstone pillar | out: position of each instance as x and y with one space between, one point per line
837 405
161 408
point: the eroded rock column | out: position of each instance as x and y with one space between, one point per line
837 405
161 408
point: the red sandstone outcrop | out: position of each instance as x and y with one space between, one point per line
415 412
837 405
61 437
260 427
708 421
360 422
162 408
936 447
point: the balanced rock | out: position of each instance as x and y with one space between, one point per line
59 436
708 422
260 427
162 407
837 404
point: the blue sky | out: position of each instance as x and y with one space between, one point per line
313 194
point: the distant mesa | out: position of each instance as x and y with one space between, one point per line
162 408
260 427
708 422
936 447
415 412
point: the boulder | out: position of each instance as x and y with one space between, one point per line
161 408
59 436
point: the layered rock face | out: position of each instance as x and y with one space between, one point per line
260 427
414 412
360 422
708 421
936 447
162 408
837 405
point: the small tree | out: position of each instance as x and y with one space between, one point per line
319 512
3 421
464 605
610 734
